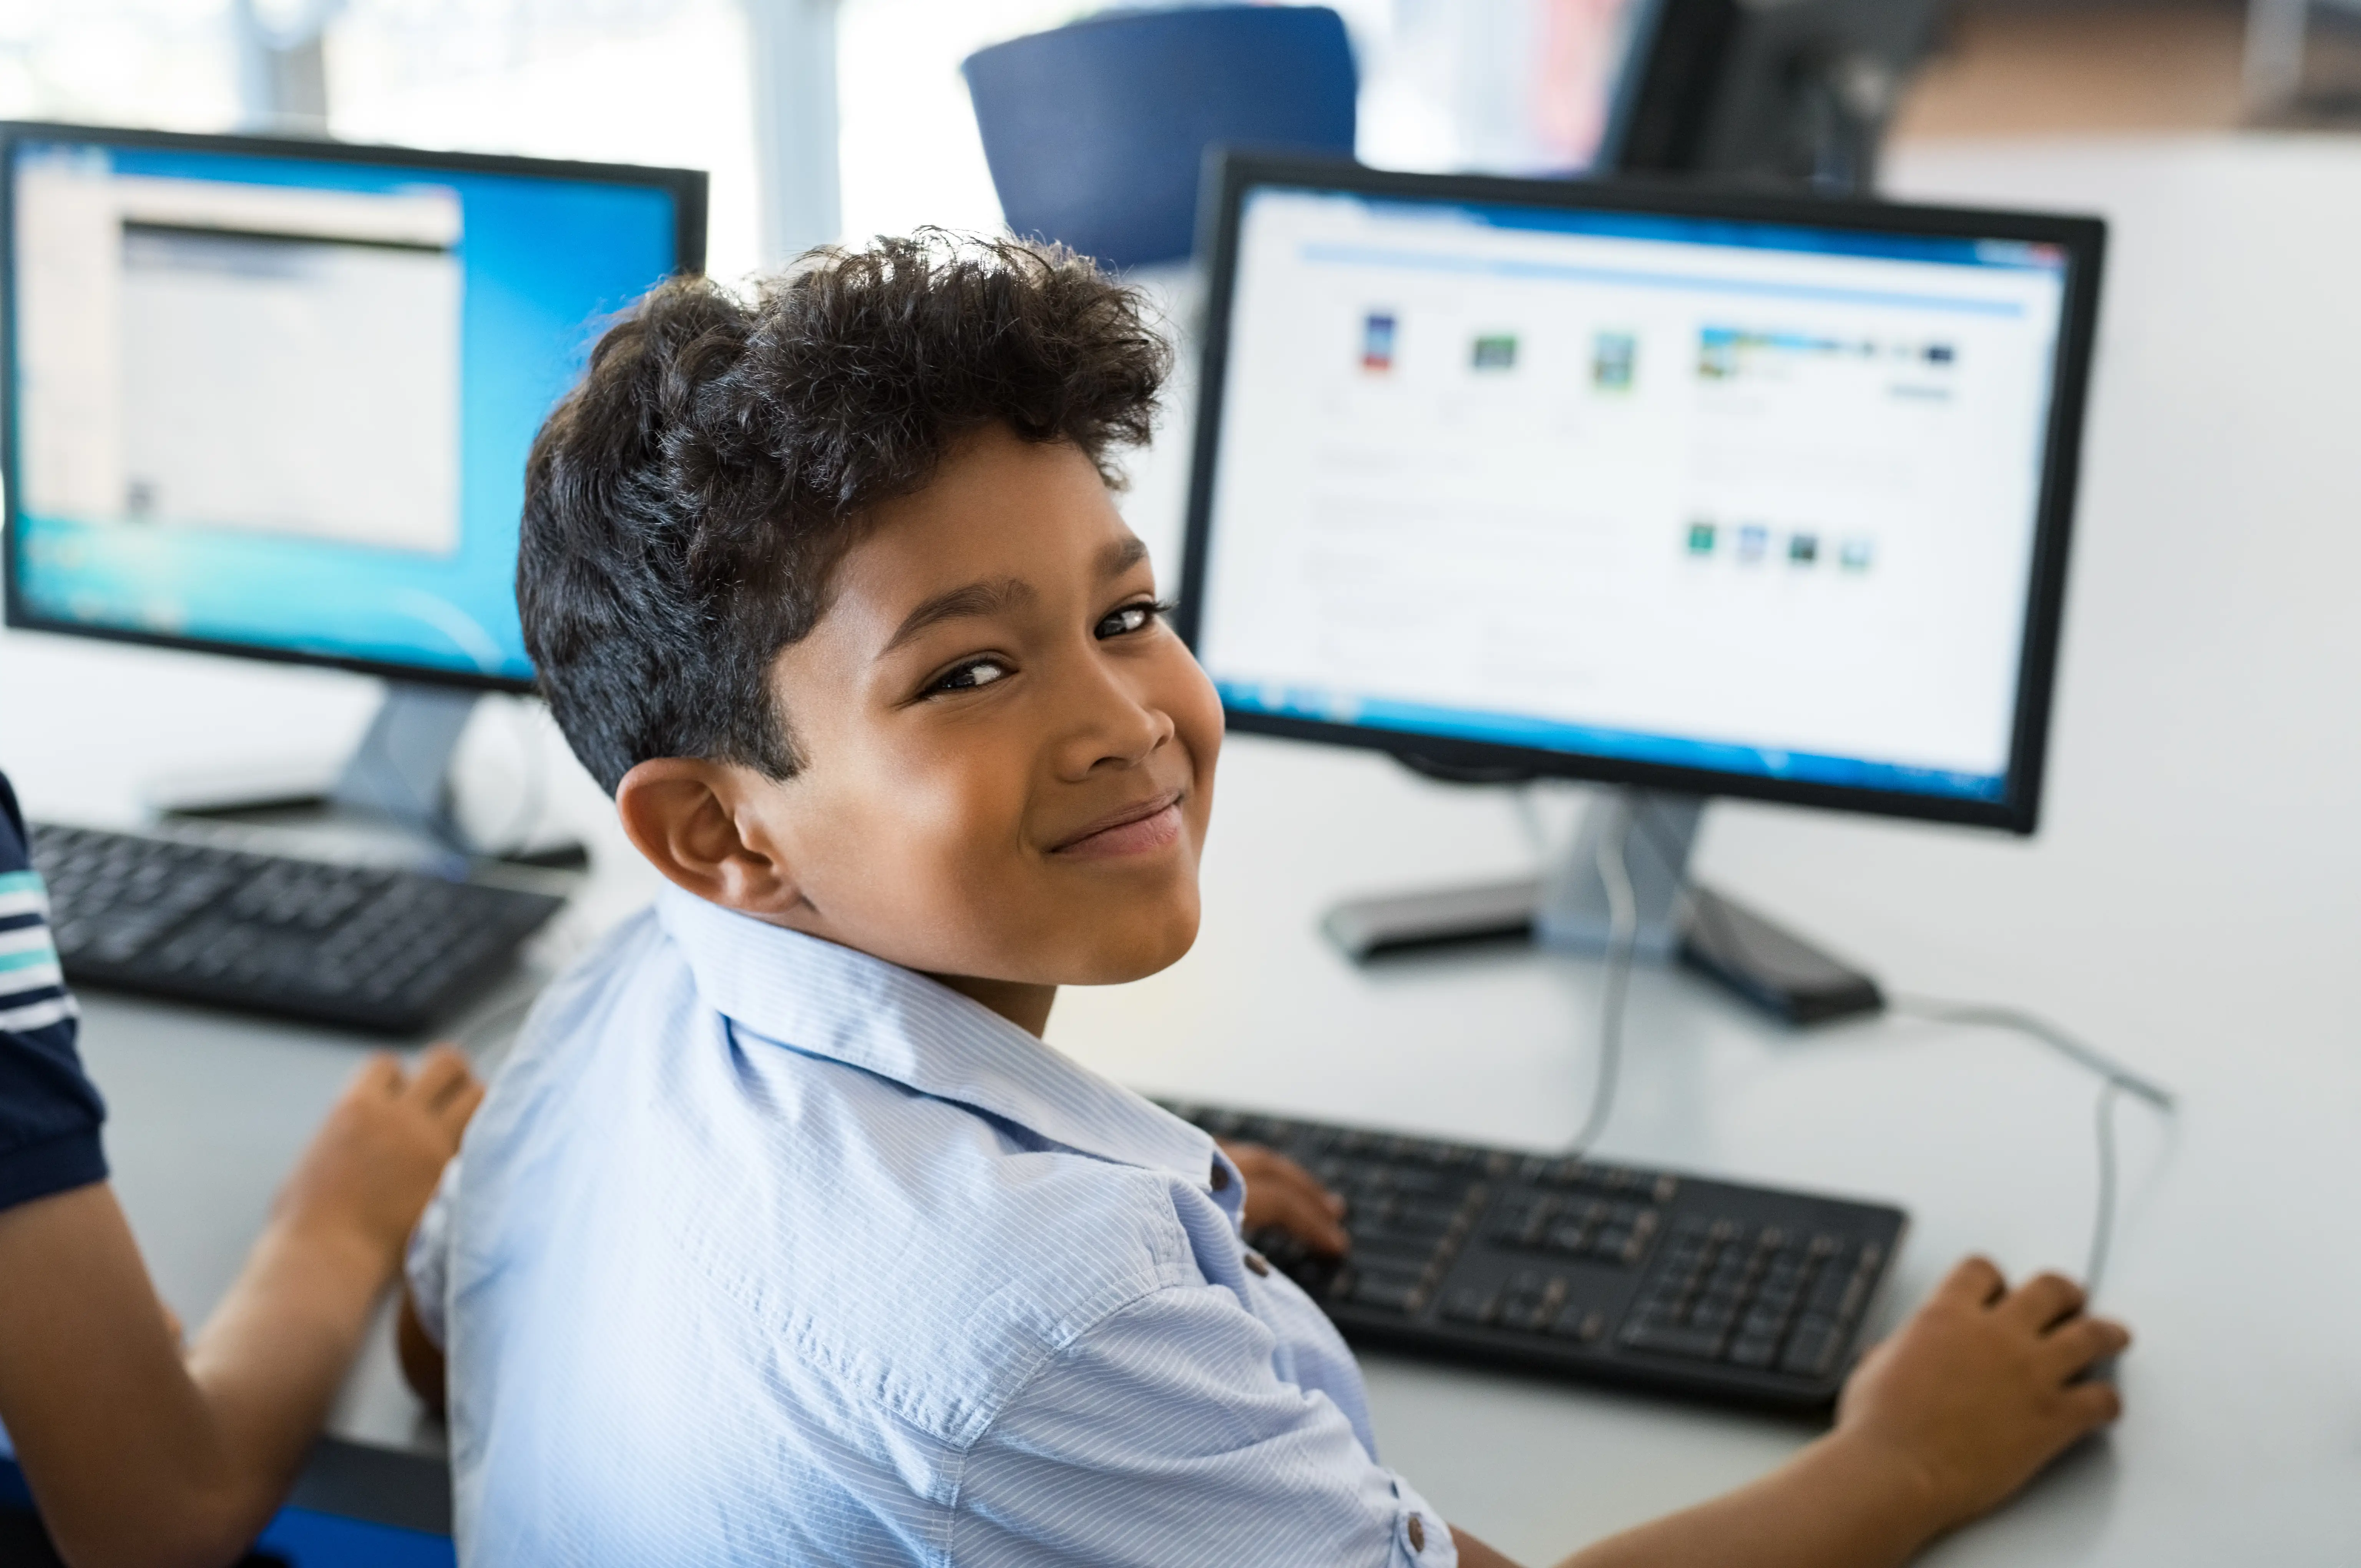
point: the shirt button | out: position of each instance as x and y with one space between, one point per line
1221 1177
1417 1533
1255 1261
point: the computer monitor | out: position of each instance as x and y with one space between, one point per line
1711 494
272 398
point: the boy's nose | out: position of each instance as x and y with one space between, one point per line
1119 729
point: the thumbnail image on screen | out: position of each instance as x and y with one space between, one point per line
1732 496
283 403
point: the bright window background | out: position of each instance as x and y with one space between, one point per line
662 82
149 62
1513 85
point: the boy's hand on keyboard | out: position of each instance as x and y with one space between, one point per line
1983 1387
1281 1192
372 1166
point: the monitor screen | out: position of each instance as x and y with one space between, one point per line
1673 492
274 401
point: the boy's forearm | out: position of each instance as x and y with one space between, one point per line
271 1358
1838 1503
136 1456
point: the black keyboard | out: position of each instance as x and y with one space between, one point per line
389 951
1746 1294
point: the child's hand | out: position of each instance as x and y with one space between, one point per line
372 1166
1281 1192
1983 1387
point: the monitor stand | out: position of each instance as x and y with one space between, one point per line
399 778
1567 908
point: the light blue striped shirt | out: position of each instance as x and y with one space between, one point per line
765 1251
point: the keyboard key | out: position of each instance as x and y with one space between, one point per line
1755 1351
1697 1345
1392 1258
1585 1325
1812 1352
1712 1314
1471 1304
1387 1292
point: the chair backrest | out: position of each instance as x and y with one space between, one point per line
1096 131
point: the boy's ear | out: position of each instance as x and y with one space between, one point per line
690 819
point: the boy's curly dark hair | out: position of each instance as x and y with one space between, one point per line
686 503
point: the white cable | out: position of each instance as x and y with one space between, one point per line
2114 1081
1623 940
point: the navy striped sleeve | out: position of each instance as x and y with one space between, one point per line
49 1111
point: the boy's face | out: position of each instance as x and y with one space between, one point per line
1008 754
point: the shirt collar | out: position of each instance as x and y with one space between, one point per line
817 997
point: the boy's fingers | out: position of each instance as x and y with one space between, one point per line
380 1075
2044 1300
1271 1163
460 1109
440 1074
1302 1204
1307 1220
2088 1405
2078 1344
1974 1282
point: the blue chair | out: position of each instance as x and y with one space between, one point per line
1096 131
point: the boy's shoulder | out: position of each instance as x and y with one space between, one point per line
834 1222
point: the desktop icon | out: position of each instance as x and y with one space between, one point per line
1803 549
1495 351
1377 342
1701 538
1752 540
1856 554
1614 356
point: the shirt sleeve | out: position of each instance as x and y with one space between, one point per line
1162 1436
49 1111
426 1265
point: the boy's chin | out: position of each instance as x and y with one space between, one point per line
1118 957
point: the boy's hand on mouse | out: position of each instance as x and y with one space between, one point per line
1983 1387
1281 1192
371 1168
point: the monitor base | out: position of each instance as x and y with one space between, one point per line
1767 965
398 777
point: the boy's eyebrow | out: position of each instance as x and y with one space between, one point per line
972 599
1122 555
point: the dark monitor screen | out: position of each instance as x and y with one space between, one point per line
1732 494
274 398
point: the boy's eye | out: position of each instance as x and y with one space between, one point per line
1130 618
973 673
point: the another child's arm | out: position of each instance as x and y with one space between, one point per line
1981 1388
140 1454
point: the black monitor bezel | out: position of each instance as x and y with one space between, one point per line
687 187
2083 239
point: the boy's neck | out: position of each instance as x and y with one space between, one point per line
1026 1006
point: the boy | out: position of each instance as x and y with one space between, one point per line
136 1451
783 1237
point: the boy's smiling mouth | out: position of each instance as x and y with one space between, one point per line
1136 828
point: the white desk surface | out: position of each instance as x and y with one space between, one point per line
2192 903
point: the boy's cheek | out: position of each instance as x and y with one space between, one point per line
1196 710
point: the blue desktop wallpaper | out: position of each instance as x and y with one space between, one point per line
543 263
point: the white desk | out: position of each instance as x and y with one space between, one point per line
2191 904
